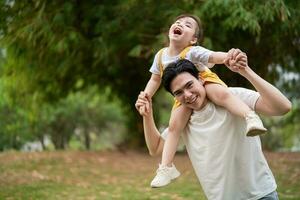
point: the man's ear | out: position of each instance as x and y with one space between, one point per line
194 41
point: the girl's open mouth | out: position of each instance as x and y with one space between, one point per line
177 31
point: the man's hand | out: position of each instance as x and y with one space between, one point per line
236 60
143 104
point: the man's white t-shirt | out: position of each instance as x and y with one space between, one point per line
228 164
197 55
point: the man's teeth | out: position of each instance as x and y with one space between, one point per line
192 100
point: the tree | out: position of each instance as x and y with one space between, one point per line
14 126
58 43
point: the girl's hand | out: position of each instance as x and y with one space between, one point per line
236 60
143 104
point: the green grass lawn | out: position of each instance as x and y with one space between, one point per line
115 175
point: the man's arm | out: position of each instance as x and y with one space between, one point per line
152 136
271 101
153 139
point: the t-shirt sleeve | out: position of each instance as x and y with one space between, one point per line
199 56
154 69
250 97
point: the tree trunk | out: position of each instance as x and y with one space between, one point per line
41 139
87 140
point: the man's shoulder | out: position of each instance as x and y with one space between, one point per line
241 92
248 96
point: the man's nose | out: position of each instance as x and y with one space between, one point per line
187 94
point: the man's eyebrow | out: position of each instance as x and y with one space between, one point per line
185 86
178 90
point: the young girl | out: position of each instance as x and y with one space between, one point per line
184 34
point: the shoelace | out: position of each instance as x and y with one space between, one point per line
163 171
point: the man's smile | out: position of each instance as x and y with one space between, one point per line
192 100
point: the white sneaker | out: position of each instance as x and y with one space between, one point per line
254 125
164 175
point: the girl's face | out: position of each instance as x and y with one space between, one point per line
183 31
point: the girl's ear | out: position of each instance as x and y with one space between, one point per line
194 41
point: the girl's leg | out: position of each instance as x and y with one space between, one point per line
167 171
178 121
221 96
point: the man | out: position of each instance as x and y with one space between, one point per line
228 164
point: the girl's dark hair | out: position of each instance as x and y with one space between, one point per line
199 29
176 68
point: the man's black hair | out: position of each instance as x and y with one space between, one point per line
176 68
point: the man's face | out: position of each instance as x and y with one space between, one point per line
189 91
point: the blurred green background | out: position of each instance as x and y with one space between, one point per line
70 71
